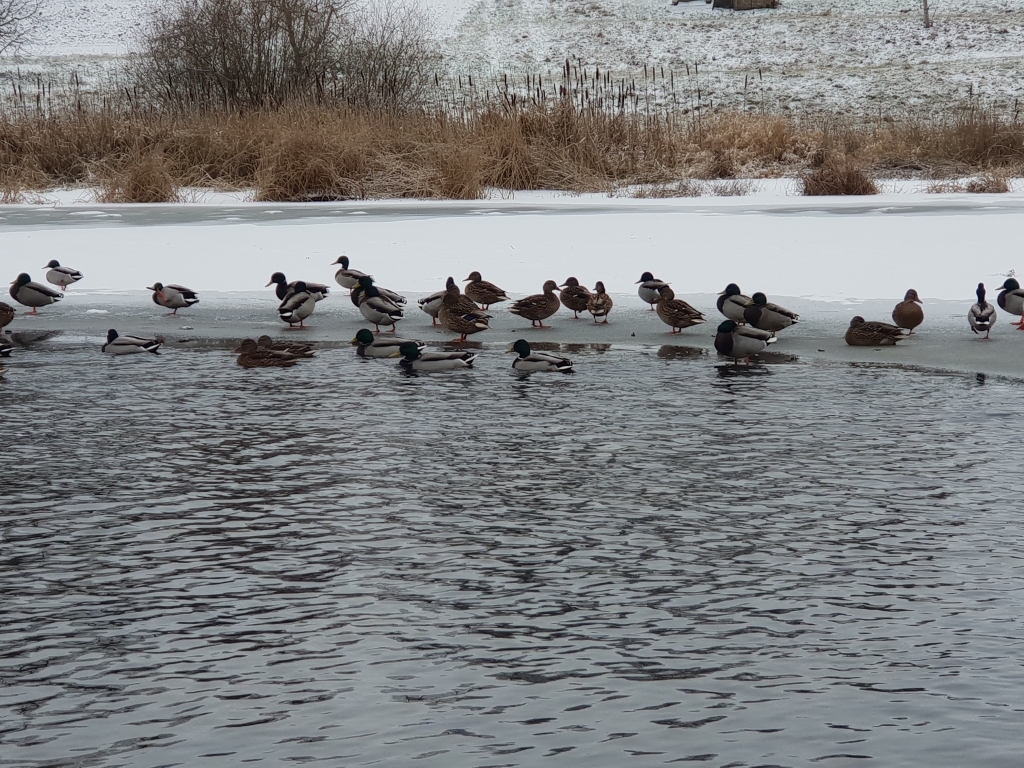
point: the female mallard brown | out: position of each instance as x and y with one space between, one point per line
254 356
575 297
865 334
763 315
600 303
7 313
538 307
482 292
299 350
459 314
676 312
907 313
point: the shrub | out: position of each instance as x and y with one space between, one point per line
142 177
837 175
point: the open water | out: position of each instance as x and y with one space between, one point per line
650 561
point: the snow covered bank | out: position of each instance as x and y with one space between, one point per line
826 258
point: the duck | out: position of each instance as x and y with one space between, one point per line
460 314
982 315
345 277
600 303
539 306
299 350
7 313
61 276
1012 300
432 304
284 289
872 334
129 345
732 303
34 295
650 289
173 296
3 371
378 309
298 305
252 355
907 314
370 346
359 292
763 315
574 296
413 359
738 341
530 362
676 313
483 292
6 348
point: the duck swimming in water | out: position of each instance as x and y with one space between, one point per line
129 345
529 361
415 360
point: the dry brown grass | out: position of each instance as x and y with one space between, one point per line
316 152
838 175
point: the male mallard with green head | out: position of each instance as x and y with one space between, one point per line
982 315
732 303
1012 300
367 345
907 313
413 359
34 295
763 315
650 289
741 341
529 361
538 307
345 277
676 313
862 333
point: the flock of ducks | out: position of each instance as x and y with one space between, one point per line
751 324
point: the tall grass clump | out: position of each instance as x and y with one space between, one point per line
838 174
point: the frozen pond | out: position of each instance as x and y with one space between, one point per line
650 561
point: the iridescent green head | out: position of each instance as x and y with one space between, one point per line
363 336
521 347
728 326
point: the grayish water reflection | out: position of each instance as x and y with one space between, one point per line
642 563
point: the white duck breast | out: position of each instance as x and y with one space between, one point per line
440 361
5 348
34 295
298 306
63 276
541 361
733 306
386 347
650 290
174 296
129 345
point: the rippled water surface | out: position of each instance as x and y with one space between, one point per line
647 562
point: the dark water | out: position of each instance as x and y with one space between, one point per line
645 563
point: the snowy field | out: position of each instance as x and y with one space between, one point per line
828 259
860 56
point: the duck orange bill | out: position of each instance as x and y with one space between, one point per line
395 354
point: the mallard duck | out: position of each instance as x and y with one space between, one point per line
575 296
6 348
600 303
765 316
284 289
254 356
460 314
173 296
650 289
385 346
34 295
864 334
345 277
738 341
676 313
378 309
3 371
982 315
61 276
1012 300
7 313
483 292
415 360
359 292
299 350
732 303
432 304
129 345
907 313
539 306
298 305
529 361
